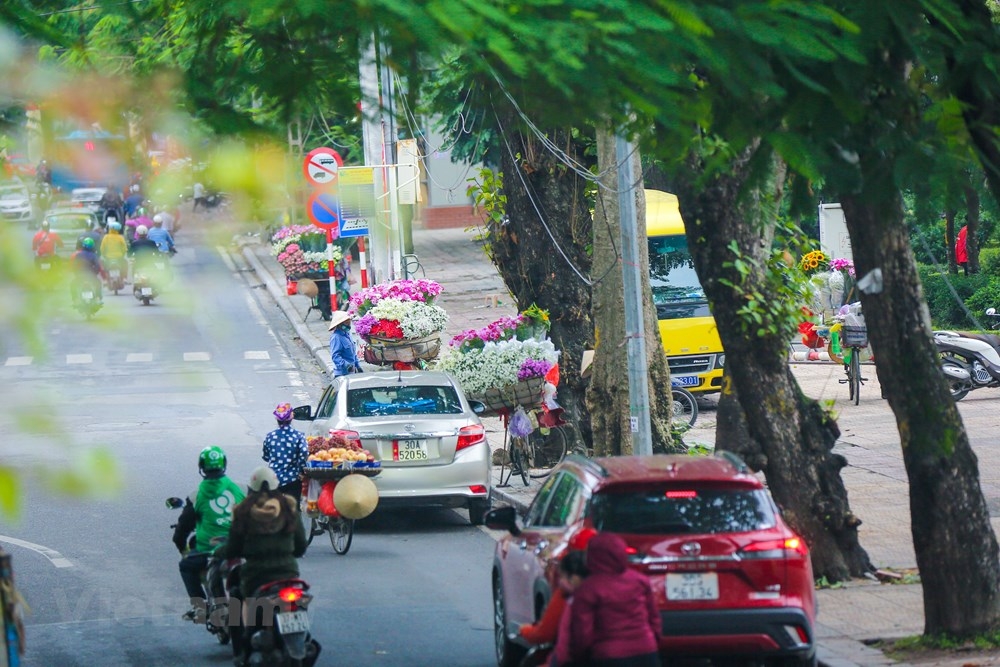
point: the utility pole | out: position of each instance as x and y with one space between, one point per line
638 384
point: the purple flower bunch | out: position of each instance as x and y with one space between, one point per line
842 264
294 230
404 290
501 329
533 368
363 325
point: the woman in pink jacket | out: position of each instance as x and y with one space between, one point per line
614 621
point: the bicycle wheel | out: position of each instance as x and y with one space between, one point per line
855 375
518 461
685 407
547 450
341 532
315 528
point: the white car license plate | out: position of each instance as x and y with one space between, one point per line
684 380
293 621
693 586
410 450
147 291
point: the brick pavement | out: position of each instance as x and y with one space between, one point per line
876 481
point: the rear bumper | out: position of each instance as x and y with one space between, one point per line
446 485
759 632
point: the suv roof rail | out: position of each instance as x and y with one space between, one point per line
581 460
734 459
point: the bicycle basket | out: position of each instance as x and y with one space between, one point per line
854 336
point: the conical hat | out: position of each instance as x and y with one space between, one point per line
308 287
355 497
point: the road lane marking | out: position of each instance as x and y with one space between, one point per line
56 558
197 356
133 357
256 354
19 361
79 359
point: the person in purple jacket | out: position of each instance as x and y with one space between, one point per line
614 621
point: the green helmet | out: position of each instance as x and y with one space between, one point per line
212 461
88 243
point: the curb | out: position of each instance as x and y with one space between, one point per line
317 348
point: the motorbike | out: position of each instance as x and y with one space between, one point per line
221 580
86 296
993 319
149 275
285 641
969 361
116 274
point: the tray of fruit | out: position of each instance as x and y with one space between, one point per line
335 457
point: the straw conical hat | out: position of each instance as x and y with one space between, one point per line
308 287
355 497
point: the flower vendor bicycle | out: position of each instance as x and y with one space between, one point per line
847 344
535 455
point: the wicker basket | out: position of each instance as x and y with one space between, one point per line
523 392
853 336
338 473
408 350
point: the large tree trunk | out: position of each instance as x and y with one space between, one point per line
608 396
791 437
539 248
955 546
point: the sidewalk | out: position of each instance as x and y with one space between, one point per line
875 478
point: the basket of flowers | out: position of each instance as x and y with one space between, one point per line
503 364
301 251
399 321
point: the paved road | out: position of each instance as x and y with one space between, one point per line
153 385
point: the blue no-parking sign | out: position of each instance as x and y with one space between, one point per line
323 209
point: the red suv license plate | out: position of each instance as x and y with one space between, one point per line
692 586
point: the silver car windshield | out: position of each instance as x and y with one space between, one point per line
406 400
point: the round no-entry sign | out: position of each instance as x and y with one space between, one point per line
321 166
323 209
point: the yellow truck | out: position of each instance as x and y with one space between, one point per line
687 328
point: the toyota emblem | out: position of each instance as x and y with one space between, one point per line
409 428
690 548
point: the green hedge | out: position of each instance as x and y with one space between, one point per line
973 291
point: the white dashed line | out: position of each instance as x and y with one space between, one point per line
134 357
197 356
19 361
79 359
54 556
256 354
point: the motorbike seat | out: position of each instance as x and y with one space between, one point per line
992 340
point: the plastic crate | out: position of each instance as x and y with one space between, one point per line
853 336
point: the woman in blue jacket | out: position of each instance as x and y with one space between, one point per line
345 359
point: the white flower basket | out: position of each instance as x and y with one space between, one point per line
523 392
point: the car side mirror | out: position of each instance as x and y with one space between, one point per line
303 413
503 518
175 503
478 407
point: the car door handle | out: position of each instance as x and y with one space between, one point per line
541 546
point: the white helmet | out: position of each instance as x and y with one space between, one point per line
263 476
157 219
135 188
142 230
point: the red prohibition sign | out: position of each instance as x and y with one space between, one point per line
321 166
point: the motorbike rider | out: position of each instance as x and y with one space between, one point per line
268 533
113 246
111 204
45 243
208 513
286 451
134 201
94 234
87 264
160 236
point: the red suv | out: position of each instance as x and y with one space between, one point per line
731 579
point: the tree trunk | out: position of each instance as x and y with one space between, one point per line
608 396
792 436
540 246
955 546
972 220
950 237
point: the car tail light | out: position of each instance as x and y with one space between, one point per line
477 488
579 541
470 435
352 437
781 548
797 634
681 494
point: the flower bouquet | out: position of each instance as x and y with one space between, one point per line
500 364
301 251
399 321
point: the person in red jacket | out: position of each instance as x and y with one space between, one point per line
614 621
961 252
553 626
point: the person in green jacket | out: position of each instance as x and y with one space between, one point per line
268 534
207 513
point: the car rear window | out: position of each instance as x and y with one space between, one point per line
70 221
688 510
408 400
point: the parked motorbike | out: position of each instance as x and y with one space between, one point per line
116 269
221 580
285 641
86 296
969 361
